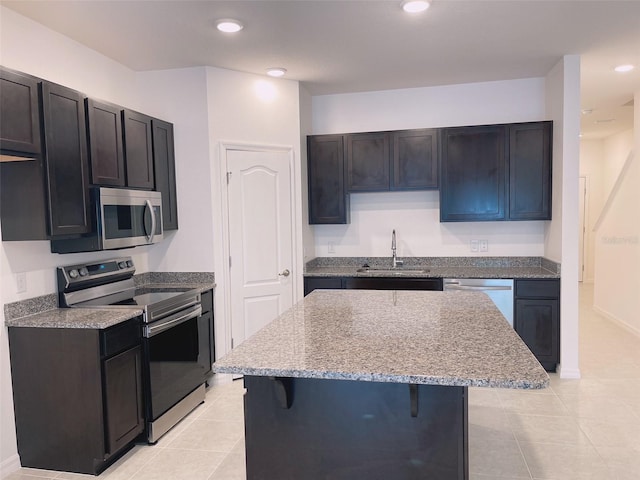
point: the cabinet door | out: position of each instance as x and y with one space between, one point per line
328 202
66 159
123 398
473 174
538 324
164 164
138 151
19 115
105 144
368 166
206 341
415 160
23 200
530 171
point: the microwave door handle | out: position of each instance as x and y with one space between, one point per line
153 221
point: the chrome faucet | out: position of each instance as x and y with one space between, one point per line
394 258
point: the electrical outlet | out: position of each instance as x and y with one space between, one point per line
332 247
483 246
473 244
21 282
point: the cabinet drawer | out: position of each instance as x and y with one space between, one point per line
537 288
120 337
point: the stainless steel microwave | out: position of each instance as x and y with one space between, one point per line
121 218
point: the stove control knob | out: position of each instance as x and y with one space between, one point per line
73 273
129 263
84 272
122 264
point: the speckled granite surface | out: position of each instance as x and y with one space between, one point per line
438 267
437 338
43 311
74 318
182 278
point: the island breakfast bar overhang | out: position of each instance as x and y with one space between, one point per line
360 384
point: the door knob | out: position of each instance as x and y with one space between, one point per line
285 273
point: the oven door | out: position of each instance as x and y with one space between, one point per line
174 364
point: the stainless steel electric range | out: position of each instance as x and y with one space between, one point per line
174 365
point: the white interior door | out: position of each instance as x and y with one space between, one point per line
260 239
582 189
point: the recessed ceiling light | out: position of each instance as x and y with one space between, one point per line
624 68
229 25
276 71
415 6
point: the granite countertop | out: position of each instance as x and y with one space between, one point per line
436 267
435 338
43 311
94 318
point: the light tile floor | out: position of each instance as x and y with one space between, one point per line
587 429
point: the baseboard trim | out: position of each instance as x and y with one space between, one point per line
9 465
613 319
569 373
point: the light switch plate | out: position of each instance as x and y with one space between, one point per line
473 245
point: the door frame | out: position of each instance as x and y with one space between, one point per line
584 236
225 277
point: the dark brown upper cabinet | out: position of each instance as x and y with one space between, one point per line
67 162
105 143
138 150
328 201
165 171
415 159
473 173
19 116
368 157
530 171
496 172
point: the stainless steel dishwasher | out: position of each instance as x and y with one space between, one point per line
500 290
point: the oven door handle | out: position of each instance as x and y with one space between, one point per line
172 321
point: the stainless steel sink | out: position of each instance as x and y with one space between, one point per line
393 271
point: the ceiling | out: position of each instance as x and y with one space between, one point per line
355 46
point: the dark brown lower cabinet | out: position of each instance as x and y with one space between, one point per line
77 395
205 324
537 318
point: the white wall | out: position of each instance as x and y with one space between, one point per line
28 47
207 106
616 150
415 215
308 241
617 256
180 96
254 110
592 168
561 241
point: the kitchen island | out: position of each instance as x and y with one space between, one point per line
359 384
